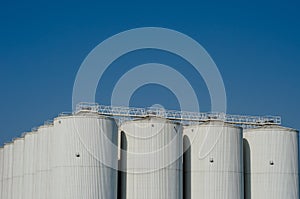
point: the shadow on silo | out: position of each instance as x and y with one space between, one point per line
186 168
122 174
247 169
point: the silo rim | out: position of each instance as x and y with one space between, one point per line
215 123
18 138
24 133
154 119
8 143
89 115
44 126
270 128
29 133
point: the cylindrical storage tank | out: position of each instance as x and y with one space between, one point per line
36 161
7 171
42 168
1 170
36 156
213 161
29 165
17 185
151 159
50 131
271 163
84 157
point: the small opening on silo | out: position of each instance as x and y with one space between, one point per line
59 122
175 128
152 125
271 163
77 155
211 160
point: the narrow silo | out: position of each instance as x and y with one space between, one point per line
36 161
84 157
1 170
42 168
213 161
151 159
7 171
29 165
271 163
17 181
50 131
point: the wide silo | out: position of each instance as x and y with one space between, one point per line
151 159
7 171
271 163
1 170
17 181
29 165
213 161
84 157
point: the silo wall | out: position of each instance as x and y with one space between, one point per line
29 165
84 155
42 162
1 170
271 163
151 159
213 161
7 171
18 173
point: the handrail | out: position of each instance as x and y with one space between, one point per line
131 112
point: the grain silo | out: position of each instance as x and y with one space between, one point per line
17 181
50 131
42 162
213 161
35 165
84 148
151 159
271 163
29 165
37 162
7 171
1 171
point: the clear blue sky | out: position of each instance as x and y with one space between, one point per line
256 46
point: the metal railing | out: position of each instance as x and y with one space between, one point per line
184 116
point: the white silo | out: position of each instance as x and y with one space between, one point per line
84 148
271 163
151 159
36 160
7 171
36 152
213 161
42 169
1 170
17 181
50 131
29 165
